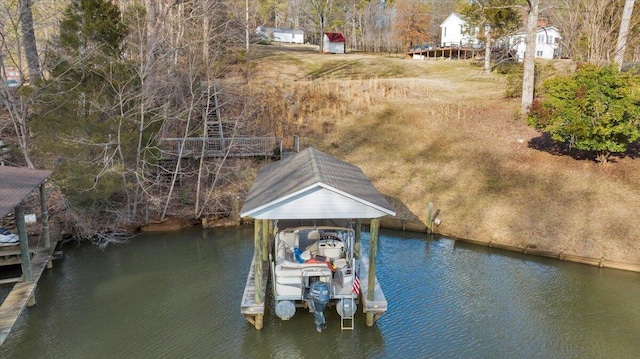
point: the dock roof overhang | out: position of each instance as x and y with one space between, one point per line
16 184
313 185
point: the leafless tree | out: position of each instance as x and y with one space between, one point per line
624 32
590 28
318 12
11 49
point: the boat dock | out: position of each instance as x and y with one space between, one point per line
312 186
378 305
22 294
252 309
16 184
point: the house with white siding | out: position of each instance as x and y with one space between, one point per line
454 32
278 34
547 43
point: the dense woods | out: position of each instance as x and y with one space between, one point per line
103 82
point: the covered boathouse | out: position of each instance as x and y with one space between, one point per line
312 185
16 184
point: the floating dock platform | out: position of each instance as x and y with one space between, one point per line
253 310
378 305
22 294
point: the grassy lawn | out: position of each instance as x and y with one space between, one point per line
442 132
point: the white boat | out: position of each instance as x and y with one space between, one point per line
312 267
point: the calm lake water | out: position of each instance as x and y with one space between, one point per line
177 295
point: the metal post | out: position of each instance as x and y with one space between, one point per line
24 244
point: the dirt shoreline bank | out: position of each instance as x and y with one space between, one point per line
442 132
416 226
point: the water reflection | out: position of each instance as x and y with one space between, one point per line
178 295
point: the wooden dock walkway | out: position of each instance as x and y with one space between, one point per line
22 292
379 303
220 147
249 308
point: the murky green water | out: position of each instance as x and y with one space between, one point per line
178 295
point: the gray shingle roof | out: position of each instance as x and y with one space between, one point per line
276 181
16 184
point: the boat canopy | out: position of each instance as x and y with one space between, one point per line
312 184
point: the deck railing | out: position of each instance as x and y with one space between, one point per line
220 147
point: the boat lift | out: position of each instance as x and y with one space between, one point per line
313 185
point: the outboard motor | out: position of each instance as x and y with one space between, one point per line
319 295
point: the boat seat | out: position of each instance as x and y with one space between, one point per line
314 235
292 239
288 241
329 251
339 263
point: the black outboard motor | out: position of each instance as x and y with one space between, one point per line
319 295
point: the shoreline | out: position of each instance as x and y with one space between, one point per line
417 226
174 224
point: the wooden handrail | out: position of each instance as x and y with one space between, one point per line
217 147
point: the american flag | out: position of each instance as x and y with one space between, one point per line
356 284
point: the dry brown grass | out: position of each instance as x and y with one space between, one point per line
442 132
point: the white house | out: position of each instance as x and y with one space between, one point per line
333 42
547 43
454 33
281 35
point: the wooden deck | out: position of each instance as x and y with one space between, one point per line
444 52
249 307
10 255
221 147
379 303
19 296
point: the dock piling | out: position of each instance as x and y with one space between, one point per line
258 258
24 243
373 251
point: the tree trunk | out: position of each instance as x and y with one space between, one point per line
246 34
29 38
624 32
603 157
487 52
321 47
528 78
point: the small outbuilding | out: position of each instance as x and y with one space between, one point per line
277 34
334 43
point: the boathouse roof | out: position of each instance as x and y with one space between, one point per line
313 185
16 184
